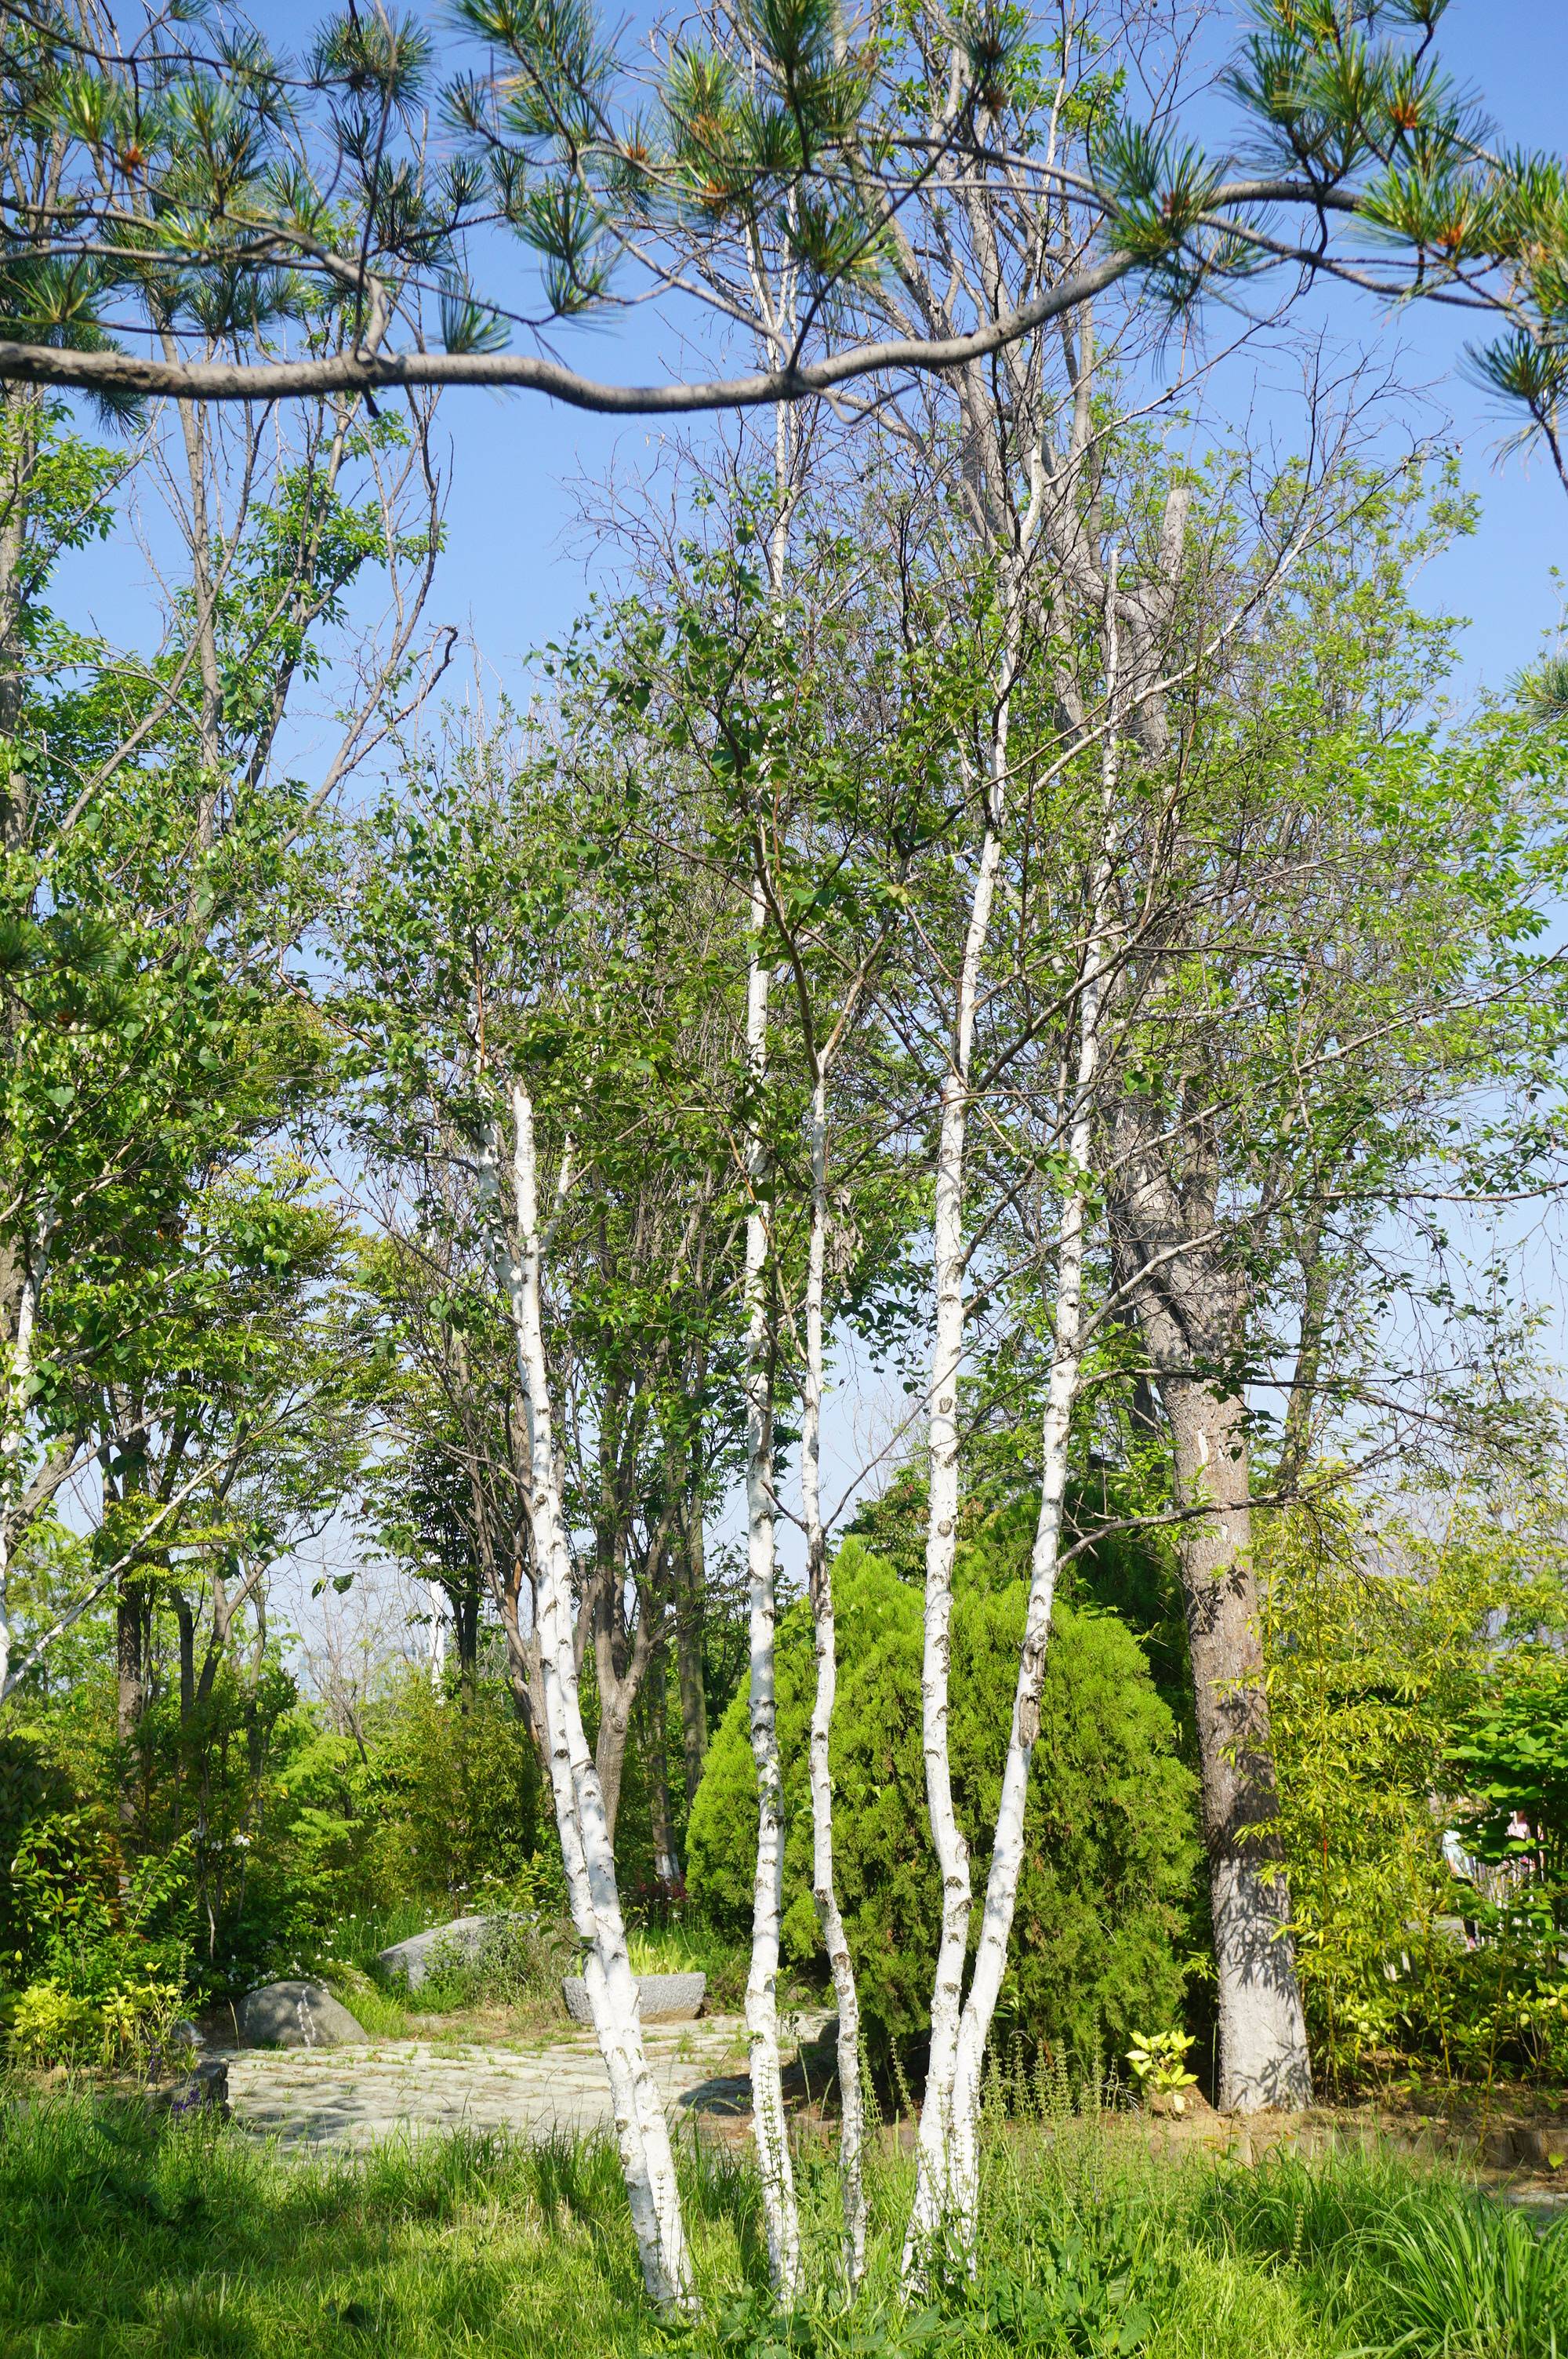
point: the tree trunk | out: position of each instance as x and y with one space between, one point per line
642 2132
610 1752
933 2188
17 1388
823 1891
690 1575
1263 2051
465 1629
666 1864
767 1897
438 1599
186 1618
1066 1365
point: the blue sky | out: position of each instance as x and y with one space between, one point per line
513 571
515 568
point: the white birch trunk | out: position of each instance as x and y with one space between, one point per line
767 1901
1066 1364
852 2143
18 1378
642 2132
933 2191
436 1596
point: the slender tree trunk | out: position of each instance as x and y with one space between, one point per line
19 1386
823 1891
767 1899
1263 2056
1317 1291
437 1598
933 2191
1066 1366
689 1585
666 1863
186 1621
465 1629
642 2132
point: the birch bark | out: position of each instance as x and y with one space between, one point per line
1066 1365
824 1892
19 1380
642 2133
933 2191
767 1903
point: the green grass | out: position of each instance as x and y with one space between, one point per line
125 2238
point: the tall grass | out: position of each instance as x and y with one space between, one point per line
128 2236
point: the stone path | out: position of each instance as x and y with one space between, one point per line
352 2097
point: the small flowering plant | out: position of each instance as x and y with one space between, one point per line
1158 2061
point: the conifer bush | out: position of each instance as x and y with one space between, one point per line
1110 1829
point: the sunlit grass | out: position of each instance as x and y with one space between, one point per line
127 2236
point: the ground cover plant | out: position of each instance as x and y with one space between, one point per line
132 2236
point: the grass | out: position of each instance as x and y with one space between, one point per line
126 2236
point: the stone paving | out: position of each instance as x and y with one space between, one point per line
352 2097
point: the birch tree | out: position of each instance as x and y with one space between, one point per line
506 919
642 2133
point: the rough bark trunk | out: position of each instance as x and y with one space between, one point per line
767 1900
642 2132
823 1891
1263 2053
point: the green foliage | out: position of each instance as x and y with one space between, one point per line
1373 1676
461 1789
261 1833
1511 1756
1158 2062
48 2026
1109 1838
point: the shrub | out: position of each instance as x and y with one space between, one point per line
1388 1693
1110 1842
50 2025
464 1792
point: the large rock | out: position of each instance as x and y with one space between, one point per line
424 1955
665 1998
295 2014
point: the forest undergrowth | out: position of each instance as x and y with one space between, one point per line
129 2235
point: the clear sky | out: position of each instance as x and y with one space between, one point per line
513 569
516 571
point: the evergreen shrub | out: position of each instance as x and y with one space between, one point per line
1111 1830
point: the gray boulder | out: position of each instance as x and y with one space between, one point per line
665 1998
295 2014
424 1955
